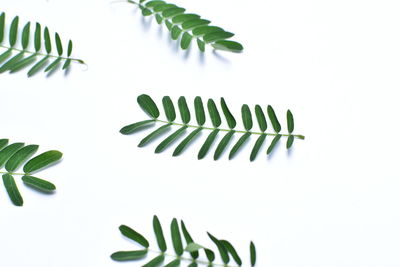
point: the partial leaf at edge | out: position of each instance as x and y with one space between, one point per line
131 128
2 26
3 143
8 151
158 231
42 161
148 105
253 254
12 190
176 237
228 115
133 235
232 251
155 262
174 263
222 250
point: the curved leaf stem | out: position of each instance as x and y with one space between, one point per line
302 137
190 259
41 54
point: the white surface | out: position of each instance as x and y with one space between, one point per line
333 202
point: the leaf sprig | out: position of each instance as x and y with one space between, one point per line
225 248
188 26
12 156
149 106
18 58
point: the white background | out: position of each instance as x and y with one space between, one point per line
333 201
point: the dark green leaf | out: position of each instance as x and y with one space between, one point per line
8 151
189 240
159 19
210 254
38 66
39 184
253 255
262 122
184 17
175 32
214 114
135 127
222 250
216 36
171 138
207 144
230 46
47 40
133 235
13 31
290 121
232 251
228 115
169 108
23 63
70 47
202 30
155 262
53 65
223 144
154 3
199 109
159 234
154 134
20 157
273 143
176 237
146 12
5 55
171 12
184 110
3 143
186 40
162 7
148 105
38 37
239 144
11 62
247 118
129 255
174 263
289 141
169 25
25 35
190 24
185 142
274 120
257 146
67 64
12 190
43 160
201 45
2 26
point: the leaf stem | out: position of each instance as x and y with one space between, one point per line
13 173
228 130
189 259
41 54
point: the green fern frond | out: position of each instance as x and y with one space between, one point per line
13 156
16 58
178 233
150 107
188 27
